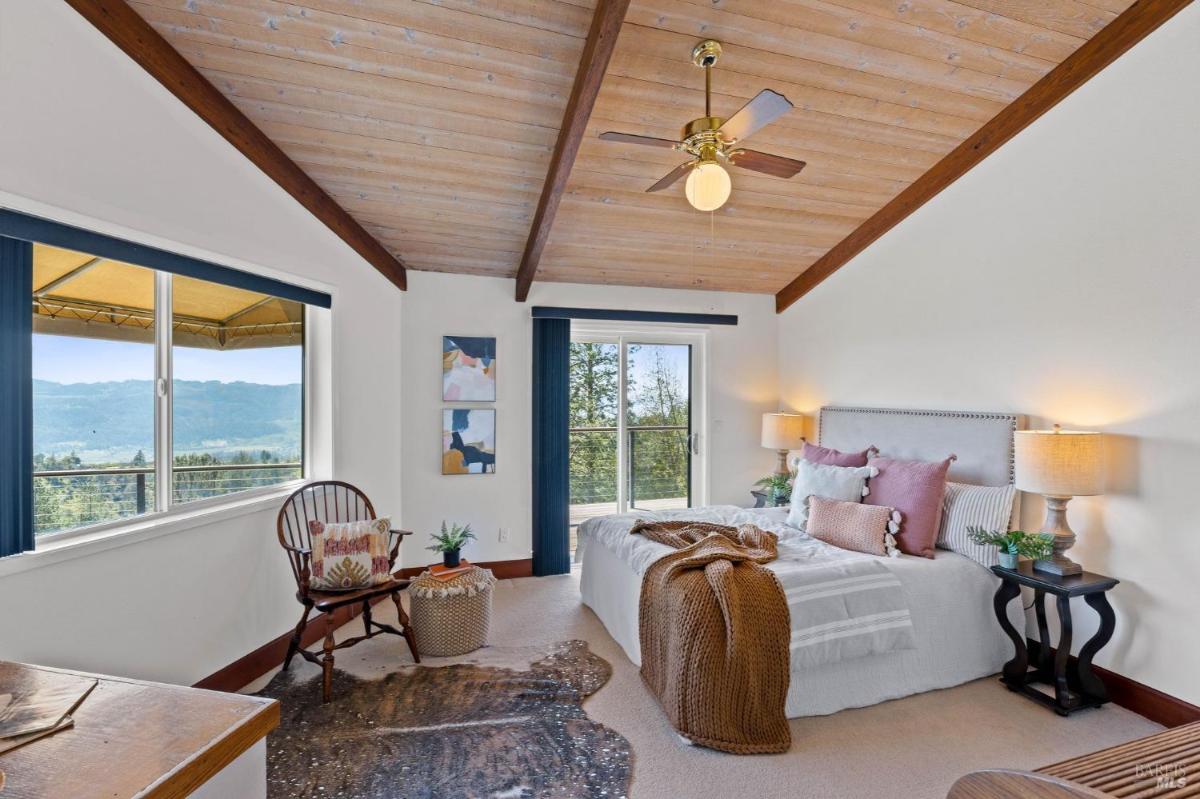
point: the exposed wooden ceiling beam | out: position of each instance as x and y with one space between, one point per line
602 38
126 29
1133 25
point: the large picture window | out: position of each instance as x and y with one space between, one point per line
152 390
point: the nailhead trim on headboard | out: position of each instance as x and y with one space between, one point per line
1013 419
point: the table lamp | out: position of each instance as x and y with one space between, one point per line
782 432
1059 464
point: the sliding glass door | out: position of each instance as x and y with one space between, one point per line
633 437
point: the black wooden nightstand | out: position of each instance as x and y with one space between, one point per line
1074 688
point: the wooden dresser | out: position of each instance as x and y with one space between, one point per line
142 739
1163 766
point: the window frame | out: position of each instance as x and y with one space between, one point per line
164 460
83 234
622 334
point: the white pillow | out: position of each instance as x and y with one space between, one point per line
844 483
963 506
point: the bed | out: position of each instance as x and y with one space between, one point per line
956 635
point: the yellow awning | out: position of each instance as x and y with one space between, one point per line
76 294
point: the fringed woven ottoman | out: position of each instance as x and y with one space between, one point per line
451 617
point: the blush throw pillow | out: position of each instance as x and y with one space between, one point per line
349 555
834 457
914 488
855 526
964 506
847 483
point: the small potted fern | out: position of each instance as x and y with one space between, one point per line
450 543
1014 544
777 487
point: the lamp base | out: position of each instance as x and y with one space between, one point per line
782 466
1064 538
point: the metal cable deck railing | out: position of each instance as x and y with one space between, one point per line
69 498
659 465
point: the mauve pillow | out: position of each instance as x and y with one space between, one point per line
832 457
853 525
914 488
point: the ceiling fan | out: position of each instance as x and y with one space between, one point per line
712 141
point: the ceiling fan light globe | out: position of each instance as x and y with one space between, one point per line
708 186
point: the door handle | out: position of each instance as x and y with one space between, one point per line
694 443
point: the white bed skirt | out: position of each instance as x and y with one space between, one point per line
958 638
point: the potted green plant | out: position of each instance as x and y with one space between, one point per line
1014 544
778 488
450 543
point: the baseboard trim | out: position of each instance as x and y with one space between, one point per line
503 569
1159 707
250 667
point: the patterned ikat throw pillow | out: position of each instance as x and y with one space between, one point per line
349 555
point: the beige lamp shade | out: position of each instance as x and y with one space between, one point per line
1059 463
782 430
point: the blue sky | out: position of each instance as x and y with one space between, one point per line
65 359
641 361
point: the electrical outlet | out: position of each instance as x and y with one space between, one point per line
503 535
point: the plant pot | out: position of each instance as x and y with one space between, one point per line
1008 560
780 499
451 558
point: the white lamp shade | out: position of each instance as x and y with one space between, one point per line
1059 463
707 186
782 430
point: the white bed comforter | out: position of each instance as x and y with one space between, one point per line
949 597
842 604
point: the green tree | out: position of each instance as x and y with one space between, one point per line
658 397
594 383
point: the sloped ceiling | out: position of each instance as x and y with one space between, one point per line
432 122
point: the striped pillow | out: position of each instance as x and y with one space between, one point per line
989 507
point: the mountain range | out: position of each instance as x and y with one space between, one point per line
109 422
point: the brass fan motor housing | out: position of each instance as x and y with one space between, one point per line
701 138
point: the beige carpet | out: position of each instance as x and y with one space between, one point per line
914 747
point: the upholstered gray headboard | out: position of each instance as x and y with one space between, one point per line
983 442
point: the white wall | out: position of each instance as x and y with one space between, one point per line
741 387
87 137
1060 278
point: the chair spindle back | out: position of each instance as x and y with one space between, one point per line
327 501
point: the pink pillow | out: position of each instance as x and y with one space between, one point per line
832 457
853 525
914 488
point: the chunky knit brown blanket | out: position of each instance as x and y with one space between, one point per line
715 634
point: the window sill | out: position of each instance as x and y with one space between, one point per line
69 547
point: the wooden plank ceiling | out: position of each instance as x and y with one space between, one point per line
432 122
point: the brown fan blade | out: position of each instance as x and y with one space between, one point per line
775 165
629 138
764 109
672 176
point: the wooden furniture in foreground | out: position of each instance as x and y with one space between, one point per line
141 739
331 502
1163 766
1074 688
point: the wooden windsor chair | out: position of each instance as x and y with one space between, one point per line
333 501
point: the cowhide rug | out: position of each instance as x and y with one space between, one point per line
465 731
